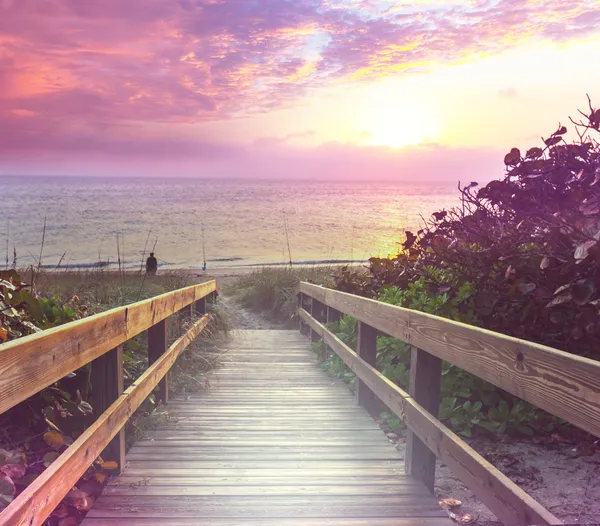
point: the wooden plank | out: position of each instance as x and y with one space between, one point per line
268 506
29 364
331 454
292 480
280 521
147 490
424 388
107 386
563 384
260 452
39 499
243 443
358 466
158 343
203 434
503 497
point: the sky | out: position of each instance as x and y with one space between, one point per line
430 90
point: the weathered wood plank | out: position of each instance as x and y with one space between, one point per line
39 499
194 490
256 506
315 479
508 502
29 364
281 521
357 465
563 384
264 453
330 454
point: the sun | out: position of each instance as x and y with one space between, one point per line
397 125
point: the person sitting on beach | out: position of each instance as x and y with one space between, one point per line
151 265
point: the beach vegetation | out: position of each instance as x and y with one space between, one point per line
36 431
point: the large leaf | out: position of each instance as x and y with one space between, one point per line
79 500
14 471
513 157
7 490
54 439
583 291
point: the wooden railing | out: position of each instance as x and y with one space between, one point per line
563 384
30 364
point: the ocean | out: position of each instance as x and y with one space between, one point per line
231 223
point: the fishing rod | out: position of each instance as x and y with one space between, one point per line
203 248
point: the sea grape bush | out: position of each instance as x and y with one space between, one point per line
520 256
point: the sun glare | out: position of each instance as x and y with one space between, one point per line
395 126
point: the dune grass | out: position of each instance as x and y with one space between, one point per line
271 291
103 289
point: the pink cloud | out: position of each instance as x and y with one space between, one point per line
73 71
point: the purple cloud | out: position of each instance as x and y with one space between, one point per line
73 65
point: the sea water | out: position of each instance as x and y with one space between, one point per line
230 223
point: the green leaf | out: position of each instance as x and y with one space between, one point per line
49 458
7 490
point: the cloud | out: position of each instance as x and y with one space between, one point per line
69 65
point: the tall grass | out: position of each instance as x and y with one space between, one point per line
271 291
102 289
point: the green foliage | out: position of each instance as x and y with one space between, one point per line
335 366
462 417
393 421
37 430
56 312
271 291
468 402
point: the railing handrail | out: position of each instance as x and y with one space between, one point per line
74 345
531 371
563 384
32 363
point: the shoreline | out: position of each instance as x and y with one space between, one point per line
198 272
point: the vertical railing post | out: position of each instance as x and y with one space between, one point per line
107 386
317 311
304 328
424 388
157 345
299 306
331 316
366 348
200 306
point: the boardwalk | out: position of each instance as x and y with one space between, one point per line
274 441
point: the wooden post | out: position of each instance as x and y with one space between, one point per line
331 316
424 388
107 386
157 345
317 310
200 306
366 348
304 329
299 306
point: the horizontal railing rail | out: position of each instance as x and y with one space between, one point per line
30 364
563 384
